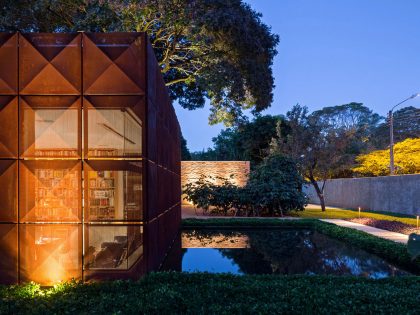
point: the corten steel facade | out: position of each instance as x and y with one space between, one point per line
89 158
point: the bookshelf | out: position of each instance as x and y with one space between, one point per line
133 195
56 194
102 195
114 195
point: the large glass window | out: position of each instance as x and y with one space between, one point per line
113 126
50 252
50 127
113 190
112 246
50 191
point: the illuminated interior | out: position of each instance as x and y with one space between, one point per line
72 158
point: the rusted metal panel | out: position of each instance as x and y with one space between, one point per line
8 63
95 117
50 63
9 123
114 63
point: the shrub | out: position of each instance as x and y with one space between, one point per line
274 188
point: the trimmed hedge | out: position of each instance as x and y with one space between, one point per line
393 252
202 293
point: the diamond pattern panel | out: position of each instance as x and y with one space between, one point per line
50 191
113 63
54 187
50 252
9 253
9 126
50 126
113 126
8 192
8 63
50 64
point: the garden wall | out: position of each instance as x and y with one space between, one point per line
192 170
399 194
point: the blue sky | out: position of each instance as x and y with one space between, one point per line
333 52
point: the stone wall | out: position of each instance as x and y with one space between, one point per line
192 170
399 194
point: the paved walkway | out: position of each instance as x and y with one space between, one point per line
189 212
393 236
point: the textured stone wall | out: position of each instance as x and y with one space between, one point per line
192 170
399 194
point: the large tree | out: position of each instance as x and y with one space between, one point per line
248 141
215 49
406 125
323 143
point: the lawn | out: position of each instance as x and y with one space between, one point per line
202 293
314 212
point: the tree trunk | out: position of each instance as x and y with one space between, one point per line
319 192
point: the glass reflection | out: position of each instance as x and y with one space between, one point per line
50 253
279 252
114 132
50 127
113 247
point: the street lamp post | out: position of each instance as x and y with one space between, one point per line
391 133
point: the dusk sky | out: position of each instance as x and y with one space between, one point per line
333 52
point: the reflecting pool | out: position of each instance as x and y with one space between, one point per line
277 251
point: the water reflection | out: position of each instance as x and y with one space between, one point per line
286 251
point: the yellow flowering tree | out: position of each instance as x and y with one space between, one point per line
406 160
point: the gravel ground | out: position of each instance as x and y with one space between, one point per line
393 226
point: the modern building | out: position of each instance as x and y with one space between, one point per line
89 157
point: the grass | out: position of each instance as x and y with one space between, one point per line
393 252
203 293
314 212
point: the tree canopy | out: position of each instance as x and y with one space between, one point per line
248 141
406 159
406 125
324 143
216 49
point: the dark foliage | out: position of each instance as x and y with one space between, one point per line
202 293
248 141
220 49
185 153
274 188
406 125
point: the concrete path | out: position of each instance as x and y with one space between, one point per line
393 236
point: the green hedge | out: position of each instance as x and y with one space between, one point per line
393 252
180 293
